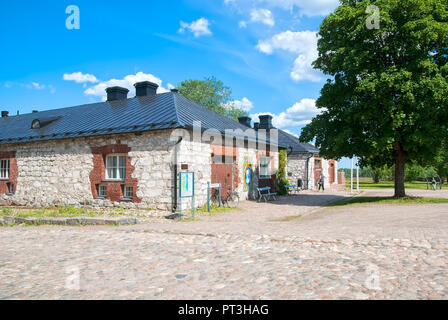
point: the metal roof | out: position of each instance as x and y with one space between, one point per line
294 143
168 110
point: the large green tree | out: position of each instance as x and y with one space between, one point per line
212 94
387 97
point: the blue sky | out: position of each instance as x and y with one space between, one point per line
261 49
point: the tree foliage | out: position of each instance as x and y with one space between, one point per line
212 94
386 100
281 179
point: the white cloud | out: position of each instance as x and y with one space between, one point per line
260 15
298 115
243 104
33 85
199 27
127 82
38 86
242 24
308 8
303 43
80 77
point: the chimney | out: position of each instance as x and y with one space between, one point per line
175 90
145 88
5 114
116 93
256 125
265 122
245 121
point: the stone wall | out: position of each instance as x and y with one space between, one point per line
296 168
197 156
55 173
58 172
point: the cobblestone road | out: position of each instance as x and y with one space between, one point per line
355 252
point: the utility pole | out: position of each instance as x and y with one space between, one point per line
357 174
351 176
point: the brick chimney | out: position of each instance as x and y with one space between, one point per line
245 121
145 88
116 93
266 121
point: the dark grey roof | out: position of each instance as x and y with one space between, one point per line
162 111
294 145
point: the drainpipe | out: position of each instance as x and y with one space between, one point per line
307 171
175 174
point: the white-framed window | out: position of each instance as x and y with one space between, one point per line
128 192
115 167
4 168
102 191
265 167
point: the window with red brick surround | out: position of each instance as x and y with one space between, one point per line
114 188
6 184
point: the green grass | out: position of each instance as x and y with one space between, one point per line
67 211
214 209
288 218
367 183
389 200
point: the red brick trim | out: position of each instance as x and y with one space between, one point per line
98 174
13 171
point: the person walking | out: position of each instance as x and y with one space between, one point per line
321 182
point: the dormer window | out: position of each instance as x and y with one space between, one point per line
42 122
35 124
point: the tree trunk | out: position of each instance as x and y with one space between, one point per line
376 177
400 160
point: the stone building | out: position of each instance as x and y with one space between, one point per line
305 164
303 160
128 152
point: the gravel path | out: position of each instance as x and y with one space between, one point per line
353 252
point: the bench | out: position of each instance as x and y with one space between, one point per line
291 187
266 194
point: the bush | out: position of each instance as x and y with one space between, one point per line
281 173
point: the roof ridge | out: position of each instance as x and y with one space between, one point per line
179 121
66 108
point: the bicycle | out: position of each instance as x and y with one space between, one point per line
230 200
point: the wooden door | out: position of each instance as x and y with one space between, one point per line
317 169
331 171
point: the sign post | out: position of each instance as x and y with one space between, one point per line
213 185
186 190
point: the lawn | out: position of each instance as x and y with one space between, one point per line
60 212
214 209
390 200
367 183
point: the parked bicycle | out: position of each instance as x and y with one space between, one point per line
231 199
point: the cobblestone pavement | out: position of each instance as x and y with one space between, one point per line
353 252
